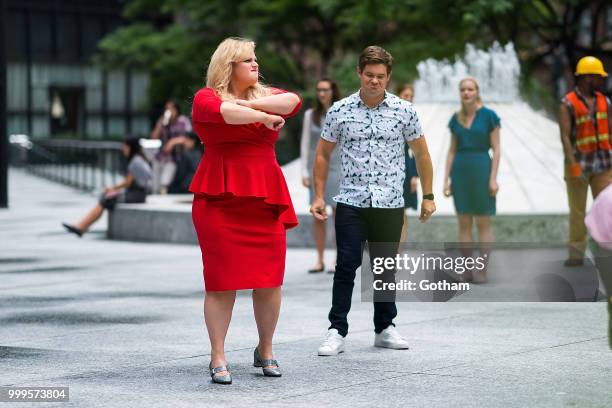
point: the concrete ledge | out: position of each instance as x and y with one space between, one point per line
168 219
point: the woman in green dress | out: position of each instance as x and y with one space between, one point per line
471 172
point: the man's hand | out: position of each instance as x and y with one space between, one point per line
317 209
428 207
306 181
574 170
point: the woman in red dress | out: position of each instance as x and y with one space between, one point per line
241 206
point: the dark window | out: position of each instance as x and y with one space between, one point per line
41 36
92 33
16 36
67 37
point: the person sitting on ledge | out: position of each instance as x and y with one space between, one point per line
131 190
187 161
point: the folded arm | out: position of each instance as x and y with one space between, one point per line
280 104
209 108
234 114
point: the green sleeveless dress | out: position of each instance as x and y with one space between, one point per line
472 164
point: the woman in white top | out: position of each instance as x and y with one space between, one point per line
327 94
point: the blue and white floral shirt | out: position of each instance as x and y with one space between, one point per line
371 143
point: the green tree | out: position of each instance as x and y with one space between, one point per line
299 41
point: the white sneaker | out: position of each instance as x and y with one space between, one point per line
333 344
390 338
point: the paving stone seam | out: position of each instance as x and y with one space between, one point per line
516 353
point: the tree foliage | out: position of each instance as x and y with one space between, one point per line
299 41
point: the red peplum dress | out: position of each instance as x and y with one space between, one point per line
242 207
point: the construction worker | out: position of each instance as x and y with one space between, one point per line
584 120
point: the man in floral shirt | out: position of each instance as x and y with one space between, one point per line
370 128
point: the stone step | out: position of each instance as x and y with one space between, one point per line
153 222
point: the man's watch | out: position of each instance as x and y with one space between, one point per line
428 196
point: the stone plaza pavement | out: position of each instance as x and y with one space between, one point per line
120 323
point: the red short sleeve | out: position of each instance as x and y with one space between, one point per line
207 107
276 91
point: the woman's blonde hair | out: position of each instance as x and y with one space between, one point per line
462 114
219 74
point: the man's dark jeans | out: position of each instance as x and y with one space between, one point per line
354 226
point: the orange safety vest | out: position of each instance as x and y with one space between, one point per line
590 135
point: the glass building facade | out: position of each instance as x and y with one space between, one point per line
53 88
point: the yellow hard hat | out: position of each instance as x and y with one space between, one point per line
590 65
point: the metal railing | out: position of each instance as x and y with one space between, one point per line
86 165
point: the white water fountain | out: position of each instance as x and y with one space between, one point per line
497 70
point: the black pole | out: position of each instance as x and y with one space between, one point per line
4 145
28 44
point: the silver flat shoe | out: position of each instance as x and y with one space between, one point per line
220 379
268 372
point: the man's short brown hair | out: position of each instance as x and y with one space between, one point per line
373 55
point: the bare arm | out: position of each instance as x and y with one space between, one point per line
450 157
177 140
495 146
423 163
280 104
321 166
156 132
565 126
321 170
129 179
425 170
305 144
234 114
